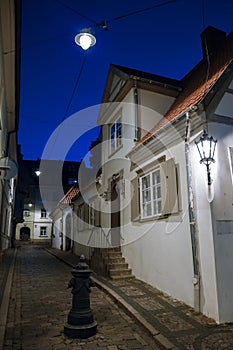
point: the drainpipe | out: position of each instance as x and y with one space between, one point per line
135 96
192 220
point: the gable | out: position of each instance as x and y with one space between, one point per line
117 84
224 107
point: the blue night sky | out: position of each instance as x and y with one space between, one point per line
163 40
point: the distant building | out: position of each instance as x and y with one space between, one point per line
37 197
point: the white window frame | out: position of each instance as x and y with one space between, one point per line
150 196
43 231
115 134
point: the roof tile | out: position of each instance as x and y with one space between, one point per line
196 84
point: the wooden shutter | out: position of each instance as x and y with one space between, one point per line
134 200
169 190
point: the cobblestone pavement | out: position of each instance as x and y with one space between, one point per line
172 323
40 302
5 262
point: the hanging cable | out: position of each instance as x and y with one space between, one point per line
76 11
75 86
207 59
69 103
104 23
140 11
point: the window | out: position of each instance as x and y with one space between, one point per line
26 213
156 192
43 231
115 135
150 194
43 213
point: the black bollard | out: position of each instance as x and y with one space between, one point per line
80 323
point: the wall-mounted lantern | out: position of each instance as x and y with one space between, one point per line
206 146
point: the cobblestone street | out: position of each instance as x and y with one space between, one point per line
40 302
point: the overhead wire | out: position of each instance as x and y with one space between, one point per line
76 11
139 11
76 84
96 24
118 17
70 101
207 57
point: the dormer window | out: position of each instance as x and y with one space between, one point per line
115 135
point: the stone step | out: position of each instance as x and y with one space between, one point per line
121 276
111 253
120 272
114 260
117 265
110 262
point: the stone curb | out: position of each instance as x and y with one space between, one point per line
5 301
158 337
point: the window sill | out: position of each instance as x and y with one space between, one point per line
157 218
153 218
43 236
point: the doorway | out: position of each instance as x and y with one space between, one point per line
25 234
115 213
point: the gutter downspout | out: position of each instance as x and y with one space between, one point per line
135 96
192 220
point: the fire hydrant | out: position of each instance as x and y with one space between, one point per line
80 322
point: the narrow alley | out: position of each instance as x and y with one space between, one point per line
39 304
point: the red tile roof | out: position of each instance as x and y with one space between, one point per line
196 84
70 195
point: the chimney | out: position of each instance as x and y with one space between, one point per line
211 39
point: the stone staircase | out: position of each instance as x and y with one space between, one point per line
110 262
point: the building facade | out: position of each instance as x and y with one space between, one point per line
10 16
151 195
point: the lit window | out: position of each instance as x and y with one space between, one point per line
116 135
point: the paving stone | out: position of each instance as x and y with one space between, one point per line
40 295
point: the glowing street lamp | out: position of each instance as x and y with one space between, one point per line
85 39
206 147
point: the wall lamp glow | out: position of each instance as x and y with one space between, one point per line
37 172
206 146
85 39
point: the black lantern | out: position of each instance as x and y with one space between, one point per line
206 148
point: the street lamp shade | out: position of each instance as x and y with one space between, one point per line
85 39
